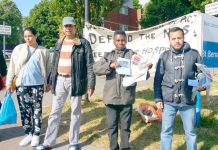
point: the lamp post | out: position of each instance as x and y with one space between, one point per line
86 10
4 41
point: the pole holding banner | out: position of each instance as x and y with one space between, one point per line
4 40
86 10
198 109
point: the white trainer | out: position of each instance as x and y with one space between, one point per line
35 141
26 140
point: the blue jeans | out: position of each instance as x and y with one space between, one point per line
187 114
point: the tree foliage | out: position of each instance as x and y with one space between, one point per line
10 14
158 11
200 4
136 4
46 17
99 9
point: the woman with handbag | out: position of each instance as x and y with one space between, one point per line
29 66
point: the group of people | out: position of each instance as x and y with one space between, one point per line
71 72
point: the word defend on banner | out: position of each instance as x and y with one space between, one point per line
150 42
5 30
211 9
200 31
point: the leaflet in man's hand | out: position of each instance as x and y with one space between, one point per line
124 66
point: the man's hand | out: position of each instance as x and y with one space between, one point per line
90 92
114 65
159 105
200 88
149 66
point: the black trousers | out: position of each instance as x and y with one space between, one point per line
119 115
30 104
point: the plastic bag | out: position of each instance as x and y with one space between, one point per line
149 113
8 114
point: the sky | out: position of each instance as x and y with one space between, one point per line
143 1
25 5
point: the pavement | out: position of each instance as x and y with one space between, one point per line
11 135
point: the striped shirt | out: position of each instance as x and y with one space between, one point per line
64 64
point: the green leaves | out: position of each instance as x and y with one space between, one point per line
160 11
157 11
46 17
10 14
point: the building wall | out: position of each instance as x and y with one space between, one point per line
115 19
128 3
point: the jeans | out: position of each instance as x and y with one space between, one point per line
119 114
187 114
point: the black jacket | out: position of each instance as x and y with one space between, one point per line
171 80
3 65
82 67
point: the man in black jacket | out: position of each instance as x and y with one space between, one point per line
71 73
172 92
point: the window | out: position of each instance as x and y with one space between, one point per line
124 10
123 27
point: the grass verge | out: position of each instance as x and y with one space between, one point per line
144 136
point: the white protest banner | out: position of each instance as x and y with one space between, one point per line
150 42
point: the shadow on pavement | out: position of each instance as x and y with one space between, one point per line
11 132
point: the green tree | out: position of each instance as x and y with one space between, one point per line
99 9
10 14
136 4
159 11
46 17
200 4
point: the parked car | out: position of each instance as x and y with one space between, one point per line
51 51
7 53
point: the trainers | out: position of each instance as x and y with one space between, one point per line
42 147
26 140
74 147
35 141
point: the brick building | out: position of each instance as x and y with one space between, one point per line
127 18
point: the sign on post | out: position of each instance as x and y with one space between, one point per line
5 30
210 40
211 9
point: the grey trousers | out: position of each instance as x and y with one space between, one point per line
63 88
119 114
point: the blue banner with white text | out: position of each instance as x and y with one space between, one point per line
210 54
